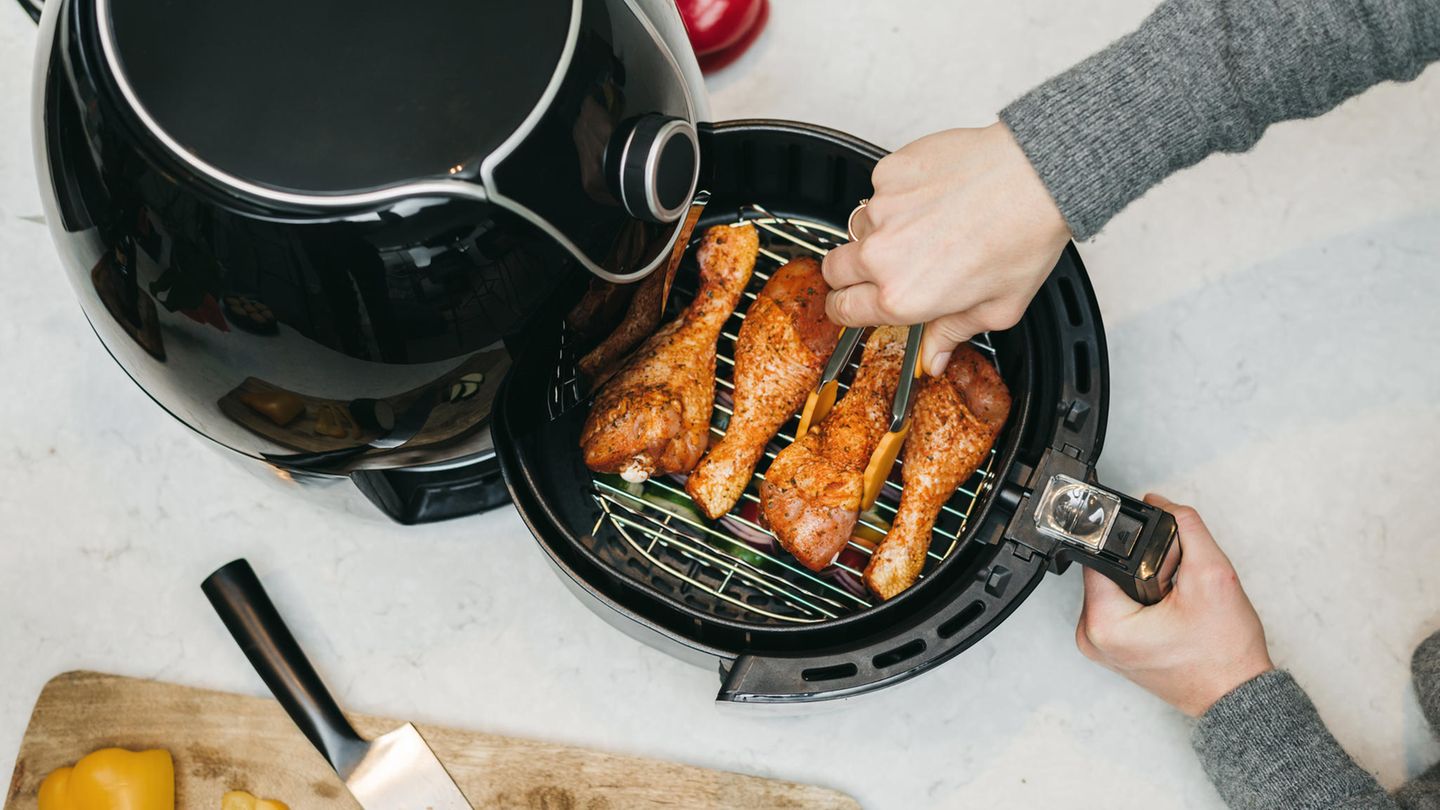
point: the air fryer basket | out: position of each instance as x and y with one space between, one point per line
778 632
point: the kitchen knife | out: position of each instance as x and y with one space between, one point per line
395 771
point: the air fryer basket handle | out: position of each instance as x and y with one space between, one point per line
1067 515
1141 553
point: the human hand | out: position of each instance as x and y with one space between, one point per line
1192 647
960 234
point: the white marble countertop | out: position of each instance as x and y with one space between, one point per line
1272 327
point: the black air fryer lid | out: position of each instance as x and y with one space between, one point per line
578 116
310 97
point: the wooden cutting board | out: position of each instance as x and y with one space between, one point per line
222 742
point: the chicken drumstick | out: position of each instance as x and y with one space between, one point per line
811 494
954 422
653 416
779 354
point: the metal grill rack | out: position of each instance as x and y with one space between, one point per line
652 531
565 389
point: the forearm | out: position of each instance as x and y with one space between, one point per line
1201 76
1263 746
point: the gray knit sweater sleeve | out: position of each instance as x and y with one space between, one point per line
1201 76
1264 746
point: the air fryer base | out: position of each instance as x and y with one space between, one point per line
414 495
1053 362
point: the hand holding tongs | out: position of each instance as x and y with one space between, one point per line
822 399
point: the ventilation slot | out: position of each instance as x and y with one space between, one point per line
795 166
1082 366
831 673
747 160
963 618
895 656
1072 303
839 179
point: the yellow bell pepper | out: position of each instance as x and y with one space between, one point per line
112 779
240 800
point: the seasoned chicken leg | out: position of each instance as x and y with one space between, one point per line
779 354
653 417
953 423
641 318
811 494
600 307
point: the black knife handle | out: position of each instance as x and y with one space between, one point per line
250 616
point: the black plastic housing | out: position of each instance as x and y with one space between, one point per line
178 193
373 301
411 496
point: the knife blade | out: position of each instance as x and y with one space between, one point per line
395 771
400 772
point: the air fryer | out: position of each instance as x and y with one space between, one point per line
309 232
344 252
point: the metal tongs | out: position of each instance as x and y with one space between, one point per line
822 399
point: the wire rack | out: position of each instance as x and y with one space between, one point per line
733 568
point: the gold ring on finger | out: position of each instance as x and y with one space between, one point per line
850 223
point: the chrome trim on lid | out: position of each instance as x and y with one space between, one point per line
652 170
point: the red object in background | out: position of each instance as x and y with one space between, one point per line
722 30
